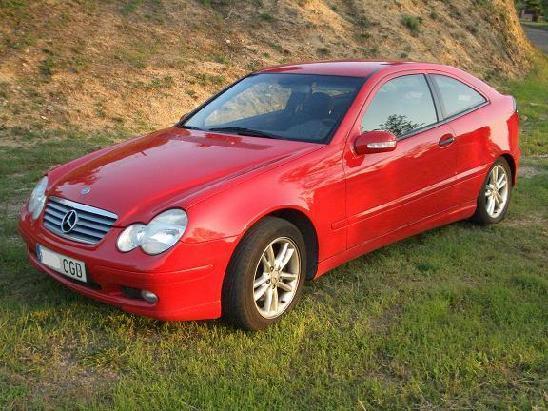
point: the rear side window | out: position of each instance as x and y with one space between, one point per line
456 96
402 106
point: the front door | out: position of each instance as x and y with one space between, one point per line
388 191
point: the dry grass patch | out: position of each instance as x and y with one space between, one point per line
95 65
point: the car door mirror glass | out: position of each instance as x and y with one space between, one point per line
375 142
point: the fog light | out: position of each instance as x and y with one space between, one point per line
149 297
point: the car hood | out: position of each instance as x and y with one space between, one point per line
166 168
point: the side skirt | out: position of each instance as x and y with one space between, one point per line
447 217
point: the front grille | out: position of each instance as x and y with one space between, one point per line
89 226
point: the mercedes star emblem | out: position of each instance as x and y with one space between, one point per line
69 221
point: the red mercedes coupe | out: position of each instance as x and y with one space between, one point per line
280 177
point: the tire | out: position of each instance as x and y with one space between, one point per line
485 215
248 268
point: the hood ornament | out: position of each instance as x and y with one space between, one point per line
85 190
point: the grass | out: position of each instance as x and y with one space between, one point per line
535 25
453 318
531 95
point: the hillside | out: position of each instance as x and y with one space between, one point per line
139 64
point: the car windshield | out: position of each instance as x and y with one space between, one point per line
302 107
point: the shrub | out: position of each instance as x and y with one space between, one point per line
411 22
266 16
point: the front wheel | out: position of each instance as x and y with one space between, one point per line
265 276
494 195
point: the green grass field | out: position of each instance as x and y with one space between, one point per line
453 318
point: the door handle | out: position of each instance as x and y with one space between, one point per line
446 140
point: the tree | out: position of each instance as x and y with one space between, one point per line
399 125
535 7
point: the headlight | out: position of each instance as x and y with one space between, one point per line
161 233
38 198
131 237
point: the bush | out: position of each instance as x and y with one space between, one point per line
411 22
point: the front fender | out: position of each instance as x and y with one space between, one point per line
313 185
231 212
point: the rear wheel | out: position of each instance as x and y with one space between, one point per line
495 194
265 276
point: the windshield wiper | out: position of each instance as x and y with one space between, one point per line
244 131
191 127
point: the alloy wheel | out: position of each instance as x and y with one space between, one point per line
277 277
496 191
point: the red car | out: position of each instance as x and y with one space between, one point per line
282 176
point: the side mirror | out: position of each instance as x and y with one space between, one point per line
375 142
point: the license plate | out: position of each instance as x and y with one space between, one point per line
65 265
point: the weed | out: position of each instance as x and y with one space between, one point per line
472 29
192 93
161 82
220 58
206 79
413 23
323 51
100 110
136 55
46 66
266 17
253 65
4 87
131 6
363 22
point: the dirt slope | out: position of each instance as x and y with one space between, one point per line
139 64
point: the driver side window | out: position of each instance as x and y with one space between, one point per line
261 98
401 106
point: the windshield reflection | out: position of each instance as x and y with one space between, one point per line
302 107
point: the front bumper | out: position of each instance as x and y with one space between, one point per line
187 279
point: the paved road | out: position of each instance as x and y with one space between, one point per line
539 37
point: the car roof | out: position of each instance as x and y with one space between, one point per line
354 68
